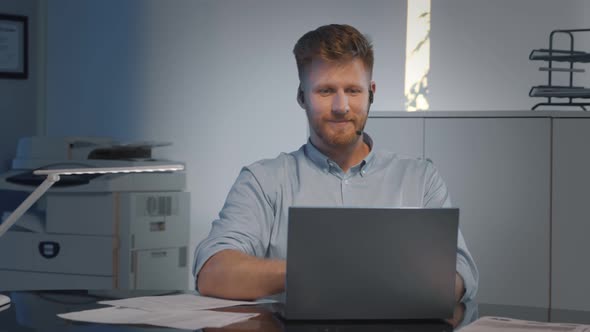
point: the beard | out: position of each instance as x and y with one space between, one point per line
337 137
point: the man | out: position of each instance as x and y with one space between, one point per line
244 255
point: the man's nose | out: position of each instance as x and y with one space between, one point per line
340 103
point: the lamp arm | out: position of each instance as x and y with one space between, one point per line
30 200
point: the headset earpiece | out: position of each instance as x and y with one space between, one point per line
300 96
370 96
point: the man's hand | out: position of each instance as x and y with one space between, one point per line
459 288
458 315
231 274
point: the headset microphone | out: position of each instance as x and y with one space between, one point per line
360 132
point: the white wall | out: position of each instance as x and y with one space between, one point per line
480 50
18 107
216 77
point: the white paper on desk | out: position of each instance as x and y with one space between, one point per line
110 315
189 320
176 302
496 324
192 320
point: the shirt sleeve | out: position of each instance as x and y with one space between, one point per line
436 195
244 222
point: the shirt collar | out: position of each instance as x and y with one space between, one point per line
323 162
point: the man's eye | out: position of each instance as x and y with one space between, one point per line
325 92
354 92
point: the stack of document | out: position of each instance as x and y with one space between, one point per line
502 324
183 311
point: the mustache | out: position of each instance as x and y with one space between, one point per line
342 118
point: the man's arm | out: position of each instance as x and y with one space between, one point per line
229 262
459 287
232 274
467 279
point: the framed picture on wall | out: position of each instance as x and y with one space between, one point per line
13 46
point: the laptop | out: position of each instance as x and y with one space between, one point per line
370 263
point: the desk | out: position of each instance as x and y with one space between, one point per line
36 311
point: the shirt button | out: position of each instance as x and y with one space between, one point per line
346 182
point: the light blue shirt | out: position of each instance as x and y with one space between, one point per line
254 217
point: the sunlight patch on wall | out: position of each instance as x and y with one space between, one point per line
417 55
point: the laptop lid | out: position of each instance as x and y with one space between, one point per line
371 263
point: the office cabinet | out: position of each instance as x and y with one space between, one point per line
570 270
405 136
497 172
521 182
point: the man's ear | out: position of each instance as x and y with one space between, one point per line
300 97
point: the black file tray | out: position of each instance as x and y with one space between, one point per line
559 55
569 56
559 92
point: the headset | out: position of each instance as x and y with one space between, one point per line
301 99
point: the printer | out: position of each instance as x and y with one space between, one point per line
125 231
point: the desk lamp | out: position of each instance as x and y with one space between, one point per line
53 175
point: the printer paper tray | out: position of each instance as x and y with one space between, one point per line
72 254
